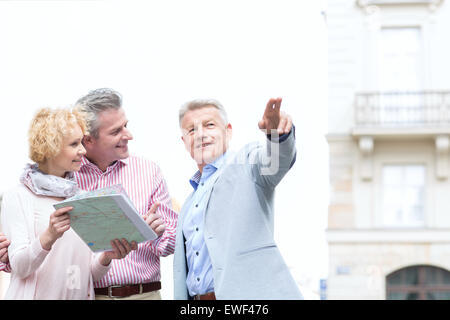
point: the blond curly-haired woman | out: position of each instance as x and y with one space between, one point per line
48 260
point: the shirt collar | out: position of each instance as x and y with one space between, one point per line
215 165
85 162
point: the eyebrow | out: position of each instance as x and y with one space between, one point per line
205 121
75 140
118 128
190 126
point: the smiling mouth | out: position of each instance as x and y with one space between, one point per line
204 145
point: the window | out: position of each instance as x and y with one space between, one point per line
403 195
400 58
418 283
400 74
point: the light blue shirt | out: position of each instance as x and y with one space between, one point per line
200 277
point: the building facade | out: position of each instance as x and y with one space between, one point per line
389 143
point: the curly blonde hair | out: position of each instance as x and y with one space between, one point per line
47 130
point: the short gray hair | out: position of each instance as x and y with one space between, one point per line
94 103
201 103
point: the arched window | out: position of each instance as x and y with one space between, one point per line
420 282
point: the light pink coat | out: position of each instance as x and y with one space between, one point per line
67 271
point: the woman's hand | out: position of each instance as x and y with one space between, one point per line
120 248
58 224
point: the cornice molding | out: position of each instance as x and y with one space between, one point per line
367 4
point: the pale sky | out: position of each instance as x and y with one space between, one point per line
159 54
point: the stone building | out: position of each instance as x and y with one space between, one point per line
388 134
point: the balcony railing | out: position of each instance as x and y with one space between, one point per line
402 109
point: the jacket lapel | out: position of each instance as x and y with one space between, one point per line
208 194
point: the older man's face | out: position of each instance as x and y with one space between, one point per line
205 135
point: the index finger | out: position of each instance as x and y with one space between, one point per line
273 104
270 104
153 208
62 211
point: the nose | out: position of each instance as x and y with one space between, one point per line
128 134
198 135
81 150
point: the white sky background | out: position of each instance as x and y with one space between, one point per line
159 54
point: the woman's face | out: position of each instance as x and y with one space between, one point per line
69 158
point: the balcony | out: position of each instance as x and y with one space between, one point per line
410 113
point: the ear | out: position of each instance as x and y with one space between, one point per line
229 129
186 143
87 141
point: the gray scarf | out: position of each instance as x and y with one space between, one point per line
44 184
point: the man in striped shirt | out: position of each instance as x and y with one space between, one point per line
107 162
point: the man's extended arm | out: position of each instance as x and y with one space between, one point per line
276 157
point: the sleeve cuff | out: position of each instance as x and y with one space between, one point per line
6 267
283 137
37 250
99 270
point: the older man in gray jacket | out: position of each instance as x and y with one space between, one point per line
225 246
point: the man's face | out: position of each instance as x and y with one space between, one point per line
205 135
113 136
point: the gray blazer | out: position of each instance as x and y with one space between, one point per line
239 229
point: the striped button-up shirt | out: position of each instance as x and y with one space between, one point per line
145 185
